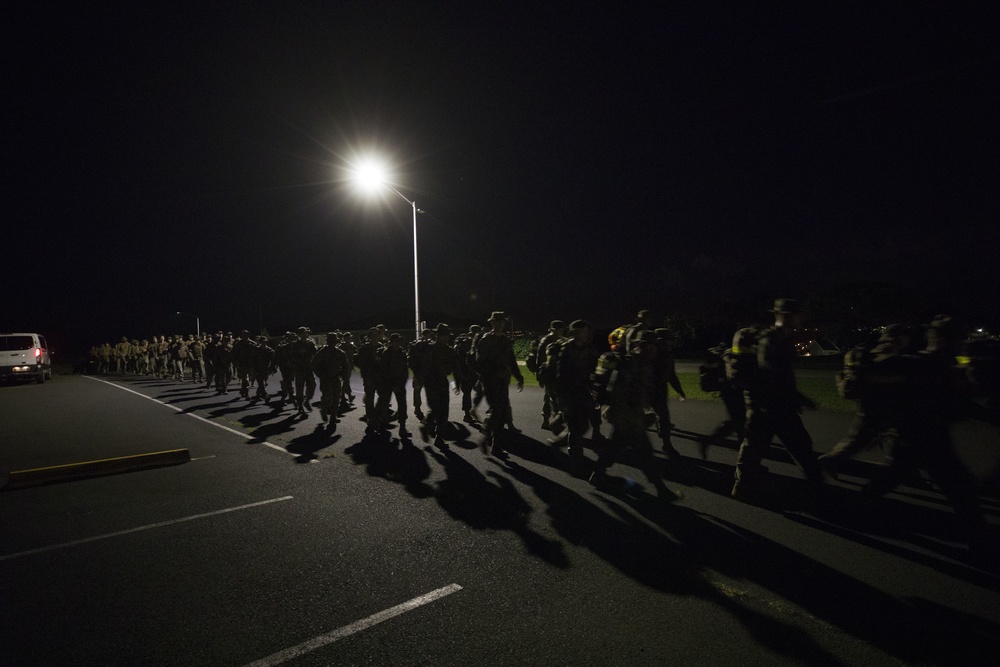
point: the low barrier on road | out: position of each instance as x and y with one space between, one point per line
22 479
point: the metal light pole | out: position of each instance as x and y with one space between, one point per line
372 174
197 321
416 279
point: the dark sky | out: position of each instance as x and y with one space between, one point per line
573 159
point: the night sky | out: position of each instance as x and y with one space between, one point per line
573 160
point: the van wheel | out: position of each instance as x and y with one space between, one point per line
40 379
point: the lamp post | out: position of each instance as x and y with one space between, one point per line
372 176
197 321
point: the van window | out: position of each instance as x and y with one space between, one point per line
16 343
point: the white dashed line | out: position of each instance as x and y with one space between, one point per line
119 533
191 414
357 626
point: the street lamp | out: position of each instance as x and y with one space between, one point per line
197 321
372 176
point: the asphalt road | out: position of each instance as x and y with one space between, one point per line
284 544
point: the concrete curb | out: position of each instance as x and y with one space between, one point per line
23 479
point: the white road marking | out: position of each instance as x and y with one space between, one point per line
357 626
199 458
191 414
119 533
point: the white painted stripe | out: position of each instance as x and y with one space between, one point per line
357 626
201 458
119 533
191 414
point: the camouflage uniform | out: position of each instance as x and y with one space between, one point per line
368 360
283 362
302 353
330 365
261 362
242 360
417 360
577 361
624 380
393 374
664 378
550 400
465 349
351 350
496 364
773 408
220 357
196 359
439 362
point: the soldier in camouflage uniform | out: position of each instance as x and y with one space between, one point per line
331 366
283 362
196 359
774 406
416 358
351 350
496 364
261 363
121 352
439 362
368 361
623 381
465 349
302 352
221 351
393 374
550 400
665 378
577 361
242 360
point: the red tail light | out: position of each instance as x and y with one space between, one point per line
38 354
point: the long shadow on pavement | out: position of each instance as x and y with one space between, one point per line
903 628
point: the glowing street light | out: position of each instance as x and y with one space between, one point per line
197 321
371 175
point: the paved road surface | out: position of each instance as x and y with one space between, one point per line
281 542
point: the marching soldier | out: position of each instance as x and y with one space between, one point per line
577 360
774 405
623 380
393 374
368 360
330 365
465 349
242 360
417 359
665 378
496 364
302 353
550 399
261 362
439 362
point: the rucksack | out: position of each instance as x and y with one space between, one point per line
712 373
851 379
546 373
741 359
531 361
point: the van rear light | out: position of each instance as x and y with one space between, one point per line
38 354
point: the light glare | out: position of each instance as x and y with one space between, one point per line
370 175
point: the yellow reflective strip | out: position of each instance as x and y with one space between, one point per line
737 350
963 361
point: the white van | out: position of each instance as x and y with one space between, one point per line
25 355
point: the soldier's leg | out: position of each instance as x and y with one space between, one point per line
371 414
662 409
310 388
760 431
859 435
261 378
797 441
418 386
